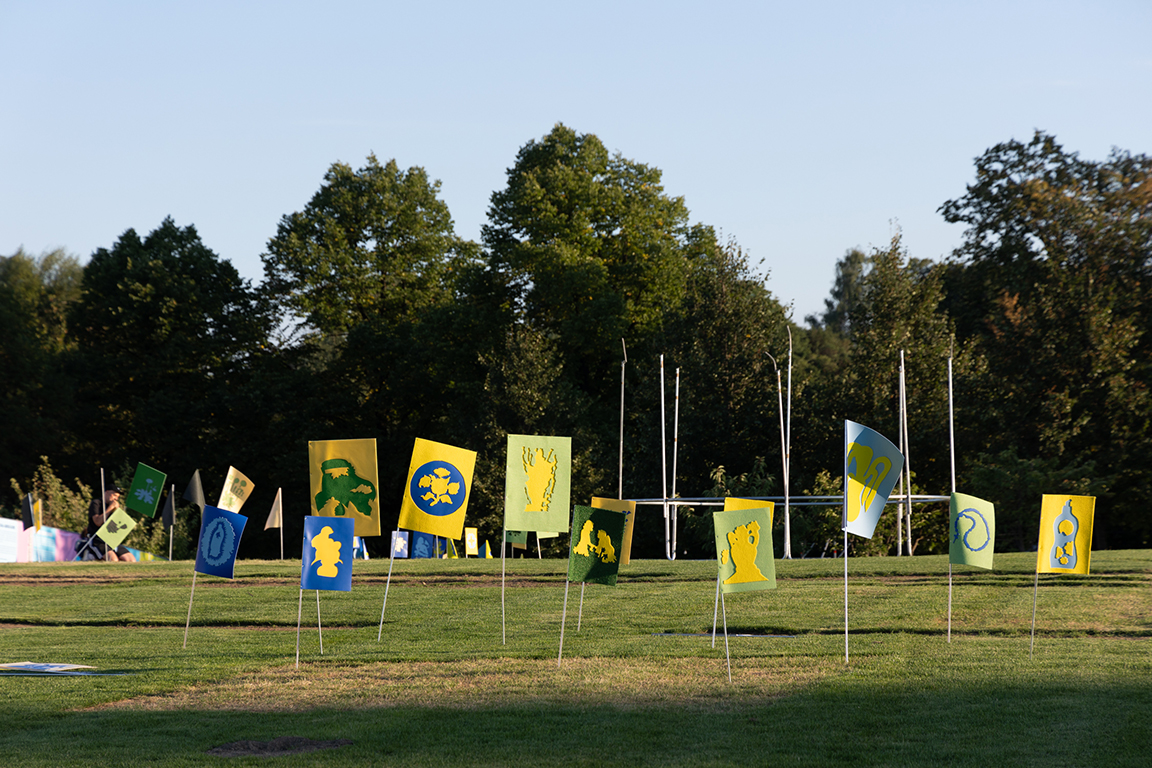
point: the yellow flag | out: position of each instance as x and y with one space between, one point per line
237 489
629 510
345 480
471 544
1065 534
436 493
732 502
37 514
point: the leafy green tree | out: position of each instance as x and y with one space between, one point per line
163 330
35 294
1054 280
588 247
373 243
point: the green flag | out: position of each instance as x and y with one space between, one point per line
144 495
971 531
116 528
744 549
596 544
537 483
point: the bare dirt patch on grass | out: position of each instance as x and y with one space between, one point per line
592 682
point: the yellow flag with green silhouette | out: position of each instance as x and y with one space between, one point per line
744 547
237 489
116 528
344 481
1065 534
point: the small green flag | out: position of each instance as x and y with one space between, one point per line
596 544
116 528
144 494
971 531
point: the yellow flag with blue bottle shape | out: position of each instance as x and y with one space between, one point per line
1065 544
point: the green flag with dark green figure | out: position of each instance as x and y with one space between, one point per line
116 528
144 494
744 549
596 544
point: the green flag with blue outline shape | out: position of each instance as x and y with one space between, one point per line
971 531
872 466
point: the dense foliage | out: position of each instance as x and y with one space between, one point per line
375 319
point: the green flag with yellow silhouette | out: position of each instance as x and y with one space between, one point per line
744 548
596 545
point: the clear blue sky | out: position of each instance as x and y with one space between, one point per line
798 129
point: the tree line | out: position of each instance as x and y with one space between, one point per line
375 319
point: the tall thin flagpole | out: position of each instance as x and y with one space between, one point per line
788 459
503 571
907 449
783 455
675 456
664 466
952 458
620 471
900 441
172 528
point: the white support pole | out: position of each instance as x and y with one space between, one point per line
716 607
907 450
675 457
727 655
503 571
580 615
172 528
1035 590
788 459
563 617
952 460
387 583
900 445
783 457
664 467
620 470
319 629
188 622
299 616
845 553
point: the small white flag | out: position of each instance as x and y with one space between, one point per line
275 519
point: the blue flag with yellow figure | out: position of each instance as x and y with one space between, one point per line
327 558
1065 544
220 532
596 544
744 547
436 493
971 531
872 466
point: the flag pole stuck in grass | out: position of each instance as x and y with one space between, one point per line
220 532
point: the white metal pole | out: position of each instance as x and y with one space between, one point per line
664 467
620 470
675 457
900 445
907 449
783 455
952 459
563 617
788 459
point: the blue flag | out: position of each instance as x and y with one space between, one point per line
327 560
220 532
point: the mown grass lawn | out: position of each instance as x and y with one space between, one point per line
640 683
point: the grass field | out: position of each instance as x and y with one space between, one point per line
640 683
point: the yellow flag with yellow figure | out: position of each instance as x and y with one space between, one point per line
344 480
1065 534
733 502
436 493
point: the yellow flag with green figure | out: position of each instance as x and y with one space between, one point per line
116 528
436 493
344 480
1065 534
